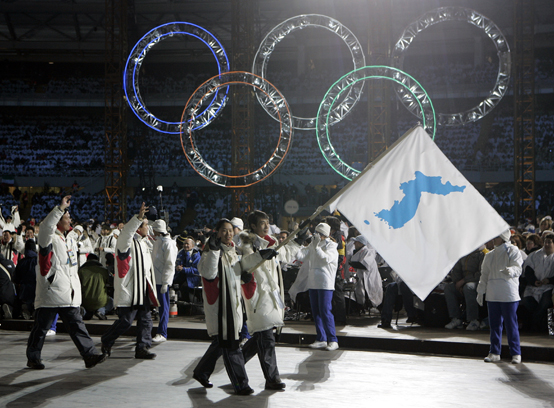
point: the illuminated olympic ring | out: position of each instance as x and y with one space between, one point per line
136 58
206 90
267 46
325 111
491 30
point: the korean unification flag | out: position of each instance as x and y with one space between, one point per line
418 211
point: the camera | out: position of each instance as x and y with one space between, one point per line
160 188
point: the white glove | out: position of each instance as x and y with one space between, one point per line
480 297
164 289
316 239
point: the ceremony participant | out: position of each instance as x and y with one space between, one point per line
538 271
321 259
134 285
84 246
221 275
25 279
164 254
7 290
12 221
238 226
263 295
500 271
11 244
105 246
58 289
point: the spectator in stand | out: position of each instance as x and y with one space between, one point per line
545 224
533 243
500 271
538 271
519 241
389 300
186 270
465 277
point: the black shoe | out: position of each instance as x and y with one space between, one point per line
245 391
144 354
205 383
92 360
411 320
35 364
101 316
106 350
278 385
384 326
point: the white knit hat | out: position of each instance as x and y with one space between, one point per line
506 235
159 226
237 222
79 228
323 229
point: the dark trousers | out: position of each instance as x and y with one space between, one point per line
538 310
233 360
126 316
504 314
73 323
339 304
389 301
263 343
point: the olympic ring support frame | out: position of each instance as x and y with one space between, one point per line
267 46
491 30
207 89
325 110
137 56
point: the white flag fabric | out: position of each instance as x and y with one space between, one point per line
419 212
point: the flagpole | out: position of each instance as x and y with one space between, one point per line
320 209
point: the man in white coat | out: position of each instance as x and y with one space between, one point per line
164 254
263 295
135 287
58 289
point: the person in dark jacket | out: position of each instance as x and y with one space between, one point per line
25 279
7 291
94 277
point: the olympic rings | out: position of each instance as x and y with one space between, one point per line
206 90
136 58
259 67
325 110
491 30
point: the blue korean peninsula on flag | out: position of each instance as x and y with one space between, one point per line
418 211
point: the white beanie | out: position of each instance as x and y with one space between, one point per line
323 229
506 235
237 222
79 228
159 226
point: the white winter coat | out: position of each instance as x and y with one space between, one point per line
164 255
261 294
321 263
108 242
58 283
135 273
543 265
500 273
208 267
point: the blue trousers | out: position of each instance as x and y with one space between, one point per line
163 298
504 313
54 323
320 300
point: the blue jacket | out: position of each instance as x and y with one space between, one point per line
189 274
